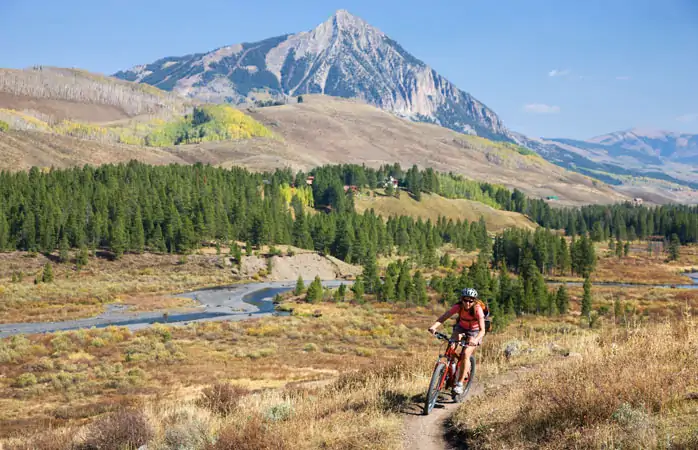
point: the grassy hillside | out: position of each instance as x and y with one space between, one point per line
318 131
433 206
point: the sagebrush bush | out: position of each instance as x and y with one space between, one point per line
222 398
254 434
125 429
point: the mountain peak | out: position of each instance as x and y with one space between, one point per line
344 20
344 56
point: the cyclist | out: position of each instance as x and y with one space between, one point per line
470 324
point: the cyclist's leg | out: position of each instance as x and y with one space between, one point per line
465 356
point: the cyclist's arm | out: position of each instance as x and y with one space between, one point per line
481 321
444 317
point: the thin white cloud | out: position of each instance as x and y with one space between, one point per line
559 73
541 108
687 118
622 78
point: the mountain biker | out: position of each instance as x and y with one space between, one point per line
471 324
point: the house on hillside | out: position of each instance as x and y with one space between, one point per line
309 180
352 188
637 201
390 180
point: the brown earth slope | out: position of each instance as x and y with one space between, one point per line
328 130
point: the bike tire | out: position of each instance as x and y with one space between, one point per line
433 392
459 398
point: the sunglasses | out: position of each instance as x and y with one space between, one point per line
467 299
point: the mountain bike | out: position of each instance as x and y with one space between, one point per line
445 373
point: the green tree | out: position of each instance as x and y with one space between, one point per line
64 248
300 286
420 289
47 276
626 248
342 292
358 289
370 274
674 245
562 300
586 298
314 293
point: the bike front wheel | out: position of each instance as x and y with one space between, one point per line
468 382
433 392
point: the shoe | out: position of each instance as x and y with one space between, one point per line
458 389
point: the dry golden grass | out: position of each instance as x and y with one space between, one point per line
140 281
627 391
287 360
641 268
433 206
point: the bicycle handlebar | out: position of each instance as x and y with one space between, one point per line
462 342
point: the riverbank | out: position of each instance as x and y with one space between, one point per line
235 302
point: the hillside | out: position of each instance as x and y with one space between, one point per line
433 206
323 130
343 57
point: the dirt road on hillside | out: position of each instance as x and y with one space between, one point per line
429 432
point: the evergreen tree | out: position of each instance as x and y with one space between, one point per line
388 288
358 289
563 300
626 249
118 237
674 245
370 274
342 292
586 298
314 293
300 286
83 257
47 276
420 289
64 248
137 233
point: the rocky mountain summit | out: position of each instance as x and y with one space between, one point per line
343 57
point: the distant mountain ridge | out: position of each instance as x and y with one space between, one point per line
661 155
343 57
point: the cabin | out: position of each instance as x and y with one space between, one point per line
309 180
352 188
637 201
390 180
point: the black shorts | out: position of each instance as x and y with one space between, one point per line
457 329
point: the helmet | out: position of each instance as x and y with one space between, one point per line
468 292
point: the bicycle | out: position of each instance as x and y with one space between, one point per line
445 373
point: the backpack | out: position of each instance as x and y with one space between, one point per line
486 311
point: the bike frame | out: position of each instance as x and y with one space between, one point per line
451 355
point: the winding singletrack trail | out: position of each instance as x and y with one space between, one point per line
429 432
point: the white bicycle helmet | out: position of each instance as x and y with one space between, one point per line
469 292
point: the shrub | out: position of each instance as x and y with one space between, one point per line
310 347
4 126
26 379
123 429
253 435
222 398
279 412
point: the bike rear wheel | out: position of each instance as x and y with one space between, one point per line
433 392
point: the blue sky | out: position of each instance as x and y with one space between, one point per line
553 68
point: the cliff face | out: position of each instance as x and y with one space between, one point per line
343 57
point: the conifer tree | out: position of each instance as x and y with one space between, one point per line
64 248
562 299
420 289
342 292
137 234
47 276
586 298
314 293
300 286
674 245
358 289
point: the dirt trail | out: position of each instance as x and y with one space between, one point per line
429 432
